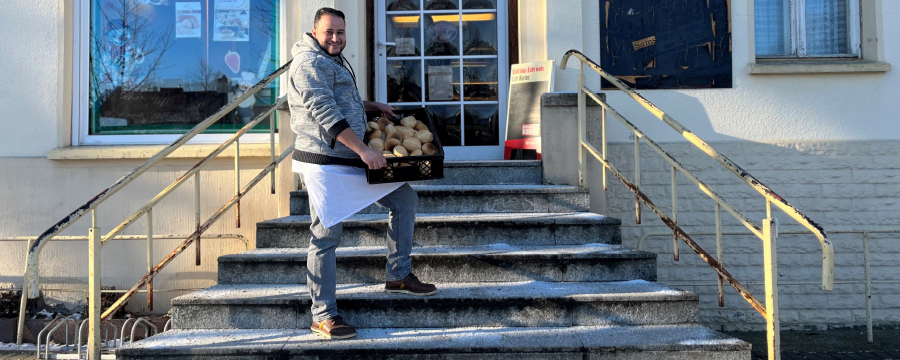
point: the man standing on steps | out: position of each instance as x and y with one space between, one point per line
328 116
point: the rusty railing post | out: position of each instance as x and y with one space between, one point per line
582 128
637 177
94 275
773 324
150 258
272 146
237 182
869 335
23 305
675 252
603 139
196 217
719 256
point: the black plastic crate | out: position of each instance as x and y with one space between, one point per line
422 167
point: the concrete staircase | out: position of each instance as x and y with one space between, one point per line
523 272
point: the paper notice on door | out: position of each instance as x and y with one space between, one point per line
404 46
440 83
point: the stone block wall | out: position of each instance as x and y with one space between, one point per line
840 185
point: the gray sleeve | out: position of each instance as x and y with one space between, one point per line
314 90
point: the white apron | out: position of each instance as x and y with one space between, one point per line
337 191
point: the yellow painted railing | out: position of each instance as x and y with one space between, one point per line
767 232
31 285
867 277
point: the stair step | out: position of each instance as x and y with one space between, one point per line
523 304
489 172
489 263
481 199
534 229
678 342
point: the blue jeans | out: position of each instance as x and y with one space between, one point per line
320 261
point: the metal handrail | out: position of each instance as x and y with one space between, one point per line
867 275
31 288
768 193
768 232
239 237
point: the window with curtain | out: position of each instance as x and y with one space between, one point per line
806 28
163 66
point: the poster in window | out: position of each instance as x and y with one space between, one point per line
440 83
231 19
527 82
405 46
154 2
188 18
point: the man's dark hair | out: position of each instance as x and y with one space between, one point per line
328 11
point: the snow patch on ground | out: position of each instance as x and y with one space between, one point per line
30 347
692 342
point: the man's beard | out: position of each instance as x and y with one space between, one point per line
325 48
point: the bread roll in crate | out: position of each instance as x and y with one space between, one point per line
410 145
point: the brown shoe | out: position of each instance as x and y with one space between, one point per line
411 285
333 328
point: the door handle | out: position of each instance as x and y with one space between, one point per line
382 44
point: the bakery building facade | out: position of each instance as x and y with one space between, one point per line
799 92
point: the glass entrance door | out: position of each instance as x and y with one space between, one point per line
449 56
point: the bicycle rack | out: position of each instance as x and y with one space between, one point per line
106 327
64 321
147 326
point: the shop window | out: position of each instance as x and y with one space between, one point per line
806 28
156 68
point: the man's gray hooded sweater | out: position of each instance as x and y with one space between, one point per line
324 101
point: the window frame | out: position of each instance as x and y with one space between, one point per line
798 34
80 90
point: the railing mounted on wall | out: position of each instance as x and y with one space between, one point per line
31 285
768 232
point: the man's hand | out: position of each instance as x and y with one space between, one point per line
386 110
373 158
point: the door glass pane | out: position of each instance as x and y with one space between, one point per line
404 81
447 123
402 5
403 30
482 125
442 80
772 24
479 4
161 66
441 4
441 35
480 34
827 27
480 77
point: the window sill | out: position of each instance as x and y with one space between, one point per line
126 152
767 67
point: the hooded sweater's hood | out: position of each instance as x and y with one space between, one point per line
308 43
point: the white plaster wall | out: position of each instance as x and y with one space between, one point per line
765 108
37 193
532 30
28 98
